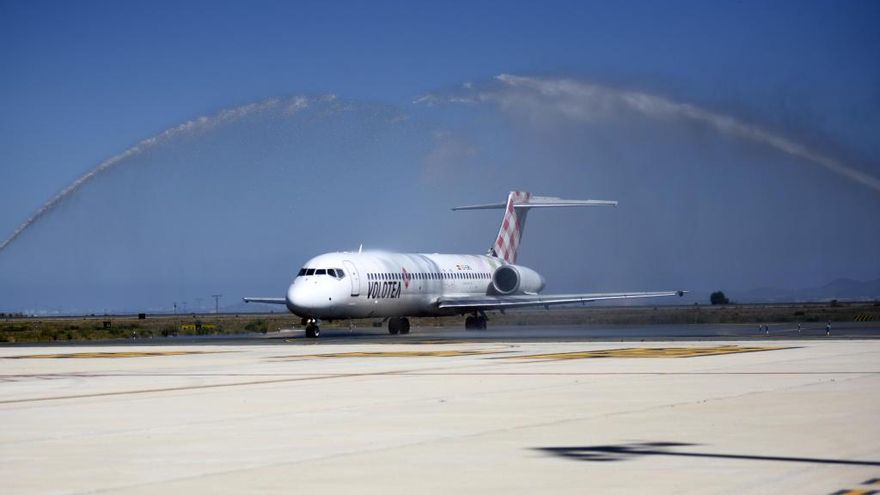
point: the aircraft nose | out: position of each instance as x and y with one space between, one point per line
295 299
305 299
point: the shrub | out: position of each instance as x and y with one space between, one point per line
718 297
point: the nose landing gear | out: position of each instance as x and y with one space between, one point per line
312 329
398 325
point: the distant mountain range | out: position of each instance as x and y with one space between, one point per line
843 289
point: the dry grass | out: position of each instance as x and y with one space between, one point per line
23 330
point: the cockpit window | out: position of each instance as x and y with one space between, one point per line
336 273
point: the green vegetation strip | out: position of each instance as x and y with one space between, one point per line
17 329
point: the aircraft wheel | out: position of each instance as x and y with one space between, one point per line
394 326
404 326
475 323
313 332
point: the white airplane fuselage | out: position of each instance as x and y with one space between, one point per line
384 284
394 286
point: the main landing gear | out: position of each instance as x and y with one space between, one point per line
312 329
398 325
476 322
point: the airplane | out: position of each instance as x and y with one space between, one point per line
396 286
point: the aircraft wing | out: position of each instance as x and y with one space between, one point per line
477 303
265 300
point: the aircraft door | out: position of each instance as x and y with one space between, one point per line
354 277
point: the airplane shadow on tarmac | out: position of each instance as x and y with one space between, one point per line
611 453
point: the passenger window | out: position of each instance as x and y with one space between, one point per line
310 271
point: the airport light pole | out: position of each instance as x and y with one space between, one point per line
217 303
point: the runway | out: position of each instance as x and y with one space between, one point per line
359 335
347 414
573 333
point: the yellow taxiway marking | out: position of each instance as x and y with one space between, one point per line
648 352
383 354
105 355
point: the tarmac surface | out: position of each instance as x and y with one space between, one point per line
522 334
508 410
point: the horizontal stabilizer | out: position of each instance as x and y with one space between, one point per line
265 300
540 202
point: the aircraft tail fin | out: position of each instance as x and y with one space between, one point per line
516 209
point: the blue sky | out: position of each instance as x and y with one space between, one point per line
83 81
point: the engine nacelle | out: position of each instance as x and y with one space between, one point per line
515 279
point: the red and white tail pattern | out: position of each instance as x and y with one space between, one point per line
515 210
507 242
